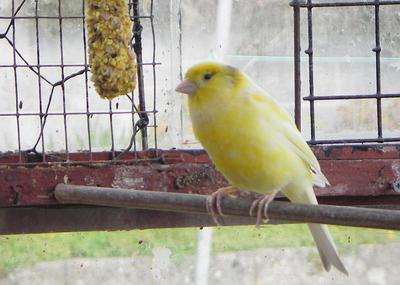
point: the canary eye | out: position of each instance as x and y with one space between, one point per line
207 76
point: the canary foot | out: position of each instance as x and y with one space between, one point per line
262 204
214 201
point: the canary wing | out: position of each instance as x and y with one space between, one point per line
301 148
284 124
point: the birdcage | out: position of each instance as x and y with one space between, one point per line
57 132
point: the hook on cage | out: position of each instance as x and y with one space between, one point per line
139 125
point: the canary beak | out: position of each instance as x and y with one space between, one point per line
187 87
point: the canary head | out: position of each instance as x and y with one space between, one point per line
204 78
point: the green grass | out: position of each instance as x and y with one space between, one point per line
20 250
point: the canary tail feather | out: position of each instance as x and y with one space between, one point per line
326 248
319 179
324 241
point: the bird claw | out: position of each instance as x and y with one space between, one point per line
262 204
254 205
214 202
210 208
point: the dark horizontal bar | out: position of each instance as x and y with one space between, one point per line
27 220
63 161
39 17
72 218
75 113
320 59
63 65
191 203
350 97
358 141
302 4
43 65
58 17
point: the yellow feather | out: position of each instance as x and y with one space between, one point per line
245 132
253 142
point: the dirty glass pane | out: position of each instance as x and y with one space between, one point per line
255 36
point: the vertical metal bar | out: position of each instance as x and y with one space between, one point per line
377 50
309 52
133 125
297 74
16 81
86 81
62 79
154 76
133 138
181 114
138 50
111 129
39 80
180 40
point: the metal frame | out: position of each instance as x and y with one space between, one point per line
140 118
378 95
360 174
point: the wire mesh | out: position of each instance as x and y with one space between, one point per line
52 91
56 76
378 96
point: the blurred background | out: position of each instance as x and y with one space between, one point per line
255 36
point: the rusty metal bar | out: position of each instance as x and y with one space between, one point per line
297 49
355 141
347 3
352 96
141 93
310 52
377 50
191 203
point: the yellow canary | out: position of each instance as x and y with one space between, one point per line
253 142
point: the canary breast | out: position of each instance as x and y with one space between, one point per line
243 143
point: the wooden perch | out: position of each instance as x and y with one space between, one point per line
191 203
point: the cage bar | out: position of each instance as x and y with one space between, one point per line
153 66
352 97
144 120
62 80
39 79
86 65
346 4
309 51
12 23
355 141
377 50
297 72
378 96
137 109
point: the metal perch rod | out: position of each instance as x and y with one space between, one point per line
177 202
